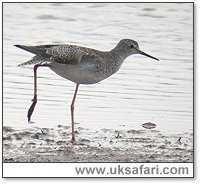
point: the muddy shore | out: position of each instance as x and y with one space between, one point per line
106 145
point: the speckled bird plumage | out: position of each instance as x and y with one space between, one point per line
80 64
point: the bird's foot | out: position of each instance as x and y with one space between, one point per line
31 109
73 140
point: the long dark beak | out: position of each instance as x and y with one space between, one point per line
145 54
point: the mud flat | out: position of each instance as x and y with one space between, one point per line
105 145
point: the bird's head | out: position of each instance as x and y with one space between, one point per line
131 47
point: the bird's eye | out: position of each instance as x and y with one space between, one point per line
131 46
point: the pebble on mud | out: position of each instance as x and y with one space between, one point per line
149 125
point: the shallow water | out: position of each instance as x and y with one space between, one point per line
142 91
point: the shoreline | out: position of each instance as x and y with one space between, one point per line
106 145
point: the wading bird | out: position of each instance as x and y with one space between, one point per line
79 64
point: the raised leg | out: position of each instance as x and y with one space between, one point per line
34 100
72 112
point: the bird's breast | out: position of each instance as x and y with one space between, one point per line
85 73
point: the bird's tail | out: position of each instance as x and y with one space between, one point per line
35 60
33 49
38 59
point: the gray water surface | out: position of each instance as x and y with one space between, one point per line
142 91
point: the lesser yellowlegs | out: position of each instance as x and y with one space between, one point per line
79 64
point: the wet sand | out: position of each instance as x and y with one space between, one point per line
106 145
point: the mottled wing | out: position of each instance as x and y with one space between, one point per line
64 54
70 54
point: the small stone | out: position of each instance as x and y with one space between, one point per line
85 140
149 125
